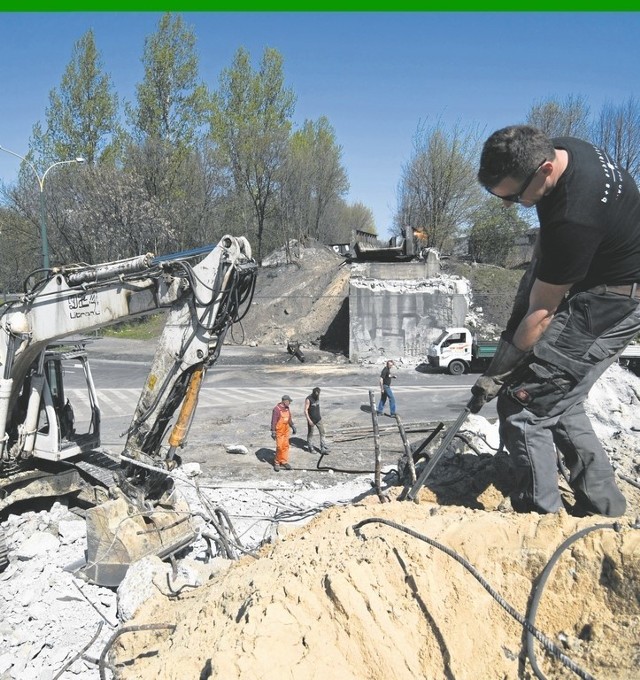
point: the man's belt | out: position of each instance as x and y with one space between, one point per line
628 290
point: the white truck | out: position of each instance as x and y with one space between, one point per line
45 452
458 350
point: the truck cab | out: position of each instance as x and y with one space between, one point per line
452 350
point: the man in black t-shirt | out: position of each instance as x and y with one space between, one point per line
314 420
576 309
385 389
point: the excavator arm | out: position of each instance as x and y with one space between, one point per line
191 342
205 291
204 300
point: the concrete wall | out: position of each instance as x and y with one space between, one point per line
396 311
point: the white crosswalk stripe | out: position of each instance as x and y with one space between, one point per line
122 402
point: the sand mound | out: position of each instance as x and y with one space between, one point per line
325 603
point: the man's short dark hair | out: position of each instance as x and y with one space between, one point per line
514 151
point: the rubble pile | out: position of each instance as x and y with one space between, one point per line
55 624
49 615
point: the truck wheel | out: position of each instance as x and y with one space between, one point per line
457 367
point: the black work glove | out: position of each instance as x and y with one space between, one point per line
507 358
484 390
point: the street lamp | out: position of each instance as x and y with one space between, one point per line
43 219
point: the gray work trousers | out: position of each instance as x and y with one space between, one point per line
310 428
541 408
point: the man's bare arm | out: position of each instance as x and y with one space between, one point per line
543 302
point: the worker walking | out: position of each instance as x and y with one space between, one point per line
314 419
385 389
281 421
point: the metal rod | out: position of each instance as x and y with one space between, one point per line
376 447
451 433
407 450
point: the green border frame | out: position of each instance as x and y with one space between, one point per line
317 6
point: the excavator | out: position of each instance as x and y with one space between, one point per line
132 508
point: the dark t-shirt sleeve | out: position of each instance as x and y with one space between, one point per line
568 250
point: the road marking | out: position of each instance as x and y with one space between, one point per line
123 401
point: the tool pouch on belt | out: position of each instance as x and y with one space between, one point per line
540 385
586 330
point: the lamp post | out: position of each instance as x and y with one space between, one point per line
43 217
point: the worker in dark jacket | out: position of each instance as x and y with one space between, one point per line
575 312
314 420
281 422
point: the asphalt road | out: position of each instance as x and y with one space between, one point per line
243 386
262 375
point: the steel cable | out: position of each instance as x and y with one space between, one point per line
548 644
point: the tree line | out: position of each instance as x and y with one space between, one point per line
440 201
182 164
177 167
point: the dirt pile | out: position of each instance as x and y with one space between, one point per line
300 298
302 295
324 602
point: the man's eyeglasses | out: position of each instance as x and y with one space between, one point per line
515 198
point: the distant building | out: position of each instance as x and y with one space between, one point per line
522 250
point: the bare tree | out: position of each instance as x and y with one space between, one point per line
566 118
438 189
618 131
348 220
20 249
493 232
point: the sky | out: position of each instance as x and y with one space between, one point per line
377 76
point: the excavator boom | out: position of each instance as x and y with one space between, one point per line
204 292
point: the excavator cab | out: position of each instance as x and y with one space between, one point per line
76 427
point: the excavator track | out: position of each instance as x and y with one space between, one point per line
98 466
49 480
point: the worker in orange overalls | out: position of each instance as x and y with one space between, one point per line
281 421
